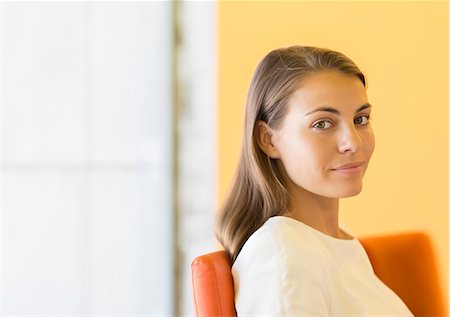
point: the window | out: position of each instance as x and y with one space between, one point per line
86 123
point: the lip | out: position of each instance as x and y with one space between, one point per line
349 168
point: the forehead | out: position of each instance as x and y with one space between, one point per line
330 88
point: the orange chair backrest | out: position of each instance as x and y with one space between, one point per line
213 285
404 262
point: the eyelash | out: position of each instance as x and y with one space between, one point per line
366 116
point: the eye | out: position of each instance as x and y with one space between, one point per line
322 125
362 120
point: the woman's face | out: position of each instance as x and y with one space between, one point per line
325 141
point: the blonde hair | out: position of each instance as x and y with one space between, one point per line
257 192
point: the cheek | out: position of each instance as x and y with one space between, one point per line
303 153
369 143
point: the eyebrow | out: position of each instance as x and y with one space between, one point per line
333 110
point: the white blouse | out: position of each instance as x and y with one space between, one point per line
287 268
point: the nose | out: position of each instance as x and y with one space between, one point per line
349 140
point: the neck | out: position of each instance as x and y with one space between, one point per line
318 212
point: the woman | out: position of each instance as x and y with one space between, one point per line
307 143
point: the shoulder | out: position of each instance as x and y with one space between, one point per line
283 239
284 235
280 271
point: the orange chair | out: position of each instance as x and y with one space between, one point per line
213 285
404 262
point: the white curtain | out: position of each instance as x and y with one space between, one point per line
86 171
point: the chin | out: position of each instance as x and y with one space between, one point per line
347 190
351 192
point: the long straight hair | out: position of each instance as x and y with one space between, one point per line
257 192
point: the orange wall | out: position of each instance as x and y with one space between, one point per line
403 48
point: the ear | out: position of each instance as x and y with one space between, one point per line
264 135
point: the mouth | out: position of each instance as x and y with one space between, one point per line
350 168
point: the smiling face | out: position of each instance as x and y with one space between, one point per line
325 140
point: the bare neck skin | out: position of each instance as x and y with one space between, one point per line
318 212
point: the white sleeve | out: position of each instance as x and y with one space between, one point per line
274 276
